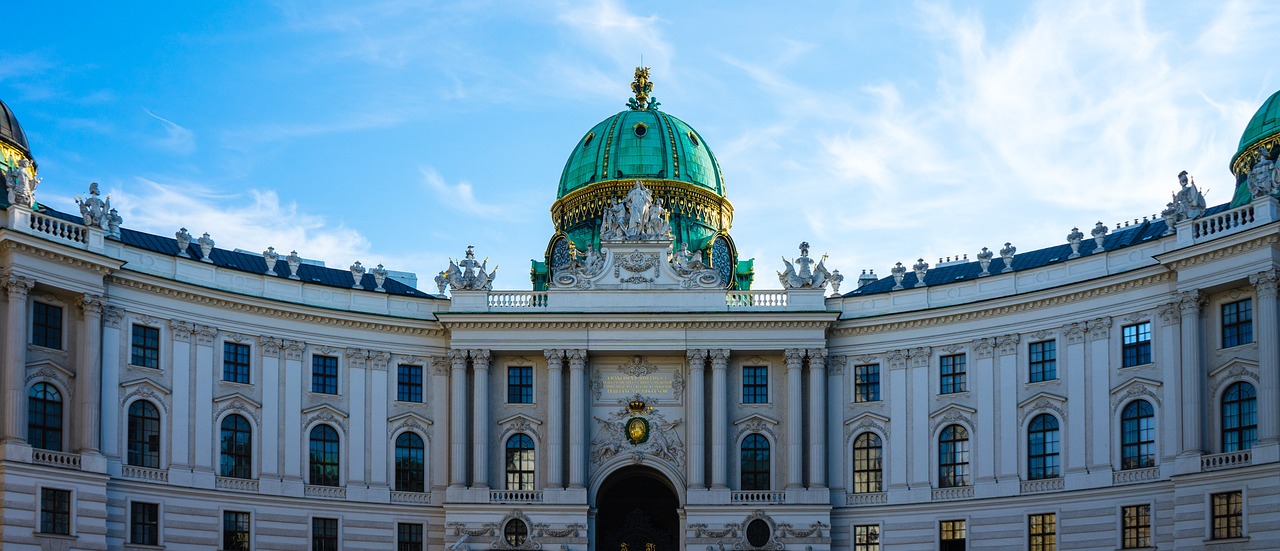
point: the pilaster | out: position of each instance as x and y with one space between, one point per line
109 433
1099 381
480 417
15 357
697 431
1190 303
1267 335
458 419
555 418
719 418
577 418
272 398
89 374
795 418
817 418
202 400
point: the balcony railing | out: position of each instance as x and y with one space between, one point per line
946 494
144 473
515 496
236 484
1228 460
877 498
517 299
1043 485
56 459
1223 222
752 299
59 229
328 492
1135 475
410 497
758 497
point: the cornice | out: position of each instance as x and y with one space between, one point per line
257 309
642 325
990 312
1220 252
84 260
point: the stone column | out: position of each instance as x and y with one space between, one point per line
180 447
697 415
458 419
1267 335
1099 386
577 418
357 391
1073 371
376 455
817 418
271 405
720 418
89 374
109 433
1190 303
15 357
294 379
555 418
898 444
795 419
1006 364
440 406
480 427
836 366
202 399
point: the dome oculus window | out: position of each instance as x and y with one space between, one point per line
694 139
640 129
587 140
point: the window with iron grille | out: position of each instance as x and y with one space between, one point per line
519 385
953 373
755 384
1237 323
46 325
235 363
144 523
1136 526
324 374
1136 348
145 350
1228 515
1044 361
866 383
409 383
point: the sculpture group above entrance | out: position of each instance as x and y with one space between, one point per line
636 217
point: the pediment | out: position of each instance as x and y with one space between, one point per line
63 373
965 410
867 417
1136 382
143 383
756 417
409 416
315 411
1043 397
229 398
1235 363
518 418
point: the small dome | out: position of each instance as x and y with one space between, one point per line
1263 131
11 132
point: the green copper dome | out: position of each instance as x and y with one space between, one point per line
1263 124
641 143
1263 131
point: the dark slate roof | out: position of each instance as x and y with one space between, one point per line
251 263
1117 239
11 131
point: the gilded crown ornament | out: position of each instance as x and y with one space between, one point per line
641 87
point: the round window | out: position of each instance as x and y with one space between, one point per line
587 140
758 533
693 138
640 129
516 533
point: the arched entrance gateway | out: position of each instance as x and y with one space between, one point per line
637 510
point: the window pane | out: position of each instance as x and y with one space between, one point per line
409 383
755 385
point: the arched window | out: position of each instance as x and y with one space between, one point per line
1138 436
409 463
236 448
755 463
1042 447
520 462
868 452
324 456
144 435
953 457
1239 417
44 417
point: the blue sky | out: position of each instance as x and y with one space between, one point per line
399 132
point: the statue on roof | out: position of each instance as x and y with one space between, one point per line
468 274
1187 203
21 185
635 218
1263 177
94 210
807 276
641 87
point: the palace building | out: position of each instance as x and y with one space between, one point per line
1117 390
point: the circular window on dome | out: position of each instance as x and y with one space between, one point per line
758 533
587 140
693 138
640 129
516 532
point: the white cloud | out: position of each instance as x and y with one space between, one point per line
461 197
177 138
621 36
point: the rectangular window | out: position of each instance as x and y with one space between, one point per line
146 347
235 363
409 383
866 383
1136 529
324 374
408 537
46 326
1228 515
144 523
951 535
1042 532
519 385
55 511
1044 361
953 374
866 537
755 384
1237 323
235 531
324 534
1137 344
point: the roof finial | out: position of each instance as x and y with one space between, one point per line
641 86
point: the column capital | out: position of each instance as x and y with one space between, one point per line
111 316
271 346
18 286
817 355
983 348
795 356
293 349
696 356
457 355
439 366
1099 328
90 305
554 356
1190 302
480 355
1265 283
577 358
719 357
205 334
1169 313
